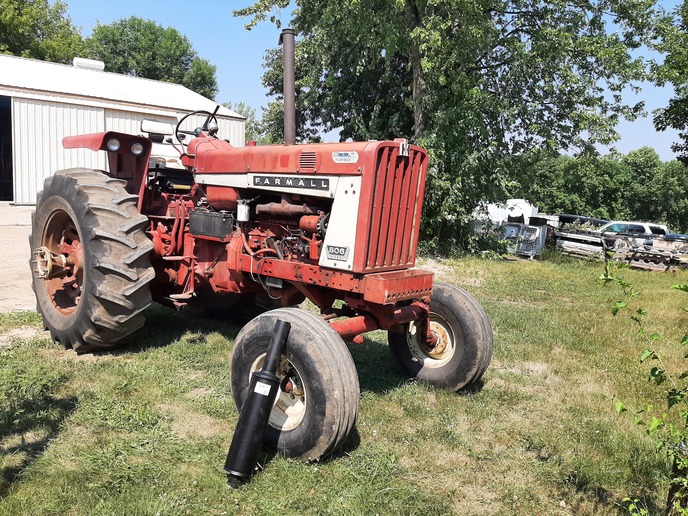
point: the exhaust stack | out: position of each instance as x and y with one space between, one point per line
287 42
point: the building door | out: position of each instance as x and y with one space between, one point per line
6 185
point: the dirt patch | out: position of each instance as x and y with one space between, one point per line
201 392
21 333
440 270
188 423
527 368
15 227
88 358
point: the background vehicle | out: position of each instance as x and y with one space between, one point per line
616 233
258 228
634 228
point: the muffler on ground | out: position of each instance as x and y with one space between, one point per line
248 435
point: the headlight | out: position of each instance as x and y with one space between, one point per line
113 144
136 148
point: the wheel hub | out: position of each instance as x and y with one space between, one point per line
58 262
436 355
443 340
48 264
290 406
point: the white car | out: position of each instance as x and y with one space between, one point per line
634 228
620 234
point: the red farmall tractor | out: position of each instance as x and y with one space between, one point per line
257 229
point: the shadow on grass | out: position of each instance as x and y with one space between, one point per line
165 325
377 371
603 498
353 441
43 418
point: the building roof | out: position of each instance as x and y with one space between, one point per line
19 73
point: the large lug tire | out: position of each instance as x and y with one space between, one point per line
90 219
465 341
317 404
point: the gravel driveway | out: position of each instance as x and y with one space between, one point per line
15 226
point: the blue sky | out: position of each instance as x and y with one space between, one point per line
238 54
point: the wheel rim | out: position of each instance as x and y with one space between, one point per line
61 237
291 403
439 354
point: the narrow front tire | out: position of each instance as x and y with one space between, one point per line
464 347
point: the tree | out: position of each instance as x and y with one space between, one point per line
635 186
39 30
644 193
674 71
142 48
673 185
308 120
477 82
254 128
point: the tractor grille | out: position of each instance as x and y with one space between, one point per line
397 200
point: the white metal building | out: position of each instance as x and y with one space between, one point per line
41 102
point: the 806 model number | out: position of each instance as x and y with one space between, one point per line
337 253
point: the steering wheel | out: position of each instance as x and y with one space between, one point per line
177 131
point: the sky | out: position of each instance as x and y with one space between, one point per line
238 54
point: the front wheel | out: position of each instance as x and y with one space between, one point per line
317 403
464 341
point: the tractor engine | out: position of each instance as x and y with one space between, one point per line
286 221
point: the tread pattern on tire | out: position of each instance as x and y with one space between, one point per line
117 268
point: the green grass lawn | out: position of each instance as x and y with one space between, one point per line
146 430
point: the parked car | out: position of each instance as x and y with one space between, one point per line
634 228
633 233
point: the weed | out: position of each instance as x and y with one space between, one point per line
668 427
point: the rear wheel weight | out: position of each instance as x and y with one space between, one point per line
317 402
88 219
464 346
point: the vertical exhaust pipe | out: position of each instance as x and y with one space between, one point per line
287 42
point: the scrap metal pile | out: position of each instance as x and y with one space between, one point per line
527 232
650 252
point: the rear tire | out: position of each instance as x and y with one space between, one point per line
96 303
464 347
315 418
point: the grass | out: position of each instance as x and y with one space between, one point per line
145 430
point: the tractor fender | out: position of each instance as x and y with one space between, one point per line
127 161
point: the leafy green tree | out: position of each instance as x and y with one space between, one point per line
635 186
672 183
674 71
587 185
644 192
38 29
477 82
273 123
142 48
200 77
308 120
